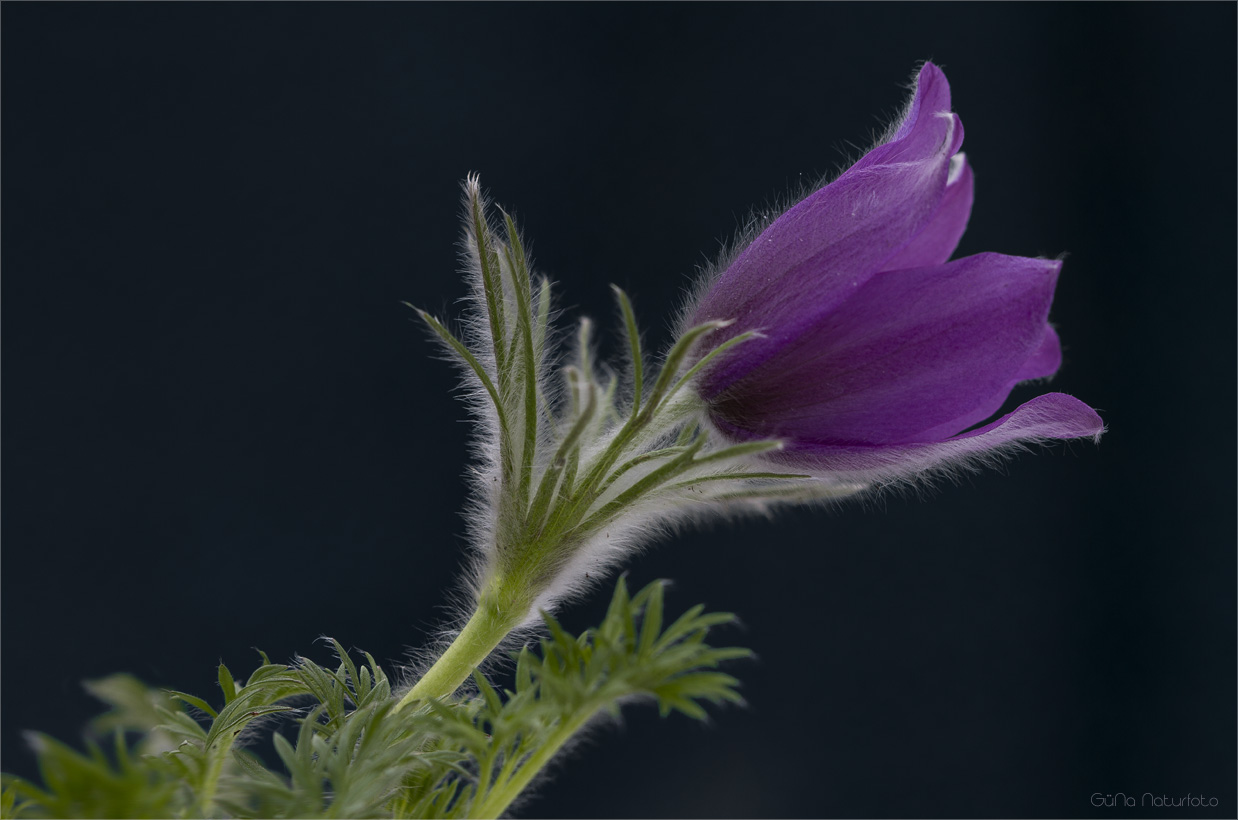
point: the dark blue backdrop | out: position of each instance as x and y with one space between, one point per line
214 406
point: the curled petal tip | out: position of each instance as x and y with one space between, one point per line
1051 416
1075 419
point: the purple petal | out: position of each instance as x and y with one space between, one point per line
819 252
1043 363
1044 418
914 355
938 239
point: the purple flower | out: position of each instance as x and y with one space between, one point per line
876 353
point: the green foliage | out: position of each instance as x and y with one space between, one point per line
509 739
577 450
89 785
353 754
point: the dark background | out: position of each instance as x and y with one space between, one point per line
221 429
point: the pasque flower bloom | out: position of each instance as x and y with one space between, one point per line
839 342
876 354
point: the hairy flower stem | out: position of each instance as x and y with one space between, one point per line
494 618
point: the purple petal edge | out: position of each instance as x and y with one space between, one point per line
937 240
1053 416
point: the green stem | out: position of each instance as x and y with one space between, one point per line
485 630
501 796
210 777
